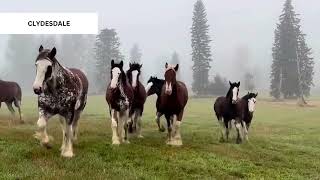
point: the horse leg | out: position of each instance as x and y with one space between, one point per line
160 126
169 126
62 124
245 129
124 126
139 124
177 141
75 125
239 131
68 149
42 129
227 126
10 108
223 127
114 127
17 103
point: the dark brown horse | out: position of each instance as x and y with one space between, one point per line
154 86
174 97
140 97
61 91
225 109
119 97
10 93
245 108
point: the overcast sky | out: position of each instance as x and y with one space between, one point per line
163 26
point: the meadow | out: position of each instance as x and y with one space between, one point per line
284 143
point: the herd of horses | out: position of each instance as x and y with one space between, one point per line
63 91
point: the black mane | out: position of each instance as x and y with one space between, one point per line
249 96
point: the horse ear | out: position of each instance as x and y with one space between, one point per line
40 48
248 92
166 65
176 68
121 64
256 95
230 83
130 65
141 66
112 63
238 83
52 53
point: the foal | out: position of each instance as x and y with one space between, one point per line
140 97
60 91
10 93
119 97
225 109
173 99
154 86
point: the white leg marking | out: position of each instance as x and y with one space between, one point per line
176 136
62 123
139 126
42 132
114 127
245 131
68 150
239 131
223 129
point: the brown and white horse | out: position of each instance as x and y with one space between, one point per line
140 97
225 110
10 93
119 97
61 91
174 97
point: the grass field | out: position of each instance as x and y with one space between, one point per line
284 144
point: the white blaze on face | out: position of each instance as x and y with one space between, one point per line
168 88
41 66
149 85
115 76
134 78
234 94
251 104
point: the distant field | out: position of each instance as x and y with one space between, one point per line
284 144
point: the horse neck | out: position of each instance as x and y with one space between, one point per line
229 95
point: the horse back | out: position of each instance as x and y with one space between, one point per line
224 108
10 91
242 110
83 79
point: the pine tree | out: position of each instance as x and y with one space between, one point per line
201 50
107 47
175 60
291 57
135 54
249 82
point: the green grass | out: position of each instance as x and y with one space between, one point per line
284 144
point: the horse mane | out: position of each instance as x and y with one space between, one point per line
248 96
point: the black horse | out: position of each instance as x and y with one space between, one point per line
10 93
154 86
245 108
225 109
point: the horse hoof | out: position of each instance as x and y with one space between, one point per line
239 141
47 145
140 136
162 129
22 122
126 141
115 142
222 140
175 143
67 154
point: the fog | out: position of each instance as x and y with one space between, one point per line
161 27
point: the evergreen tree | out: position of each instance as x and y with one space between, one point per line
291 58
135 54
201 53
176 60
107 47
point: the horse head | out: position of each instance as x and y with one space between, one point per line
233 92
117 73
170 77
252 101
133 73
154 86
45 65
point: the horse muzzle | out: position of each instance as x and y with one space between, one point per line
234 101
168 92
38 90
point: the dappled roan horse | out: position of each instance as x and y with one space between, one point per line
174 97
154 86
10 93
119 96
225 109
61 91
140 97
245 108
